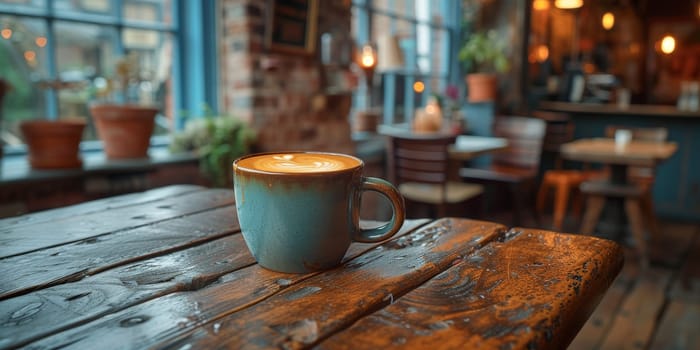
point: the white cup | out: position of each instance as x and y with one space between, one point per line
622 138
623 98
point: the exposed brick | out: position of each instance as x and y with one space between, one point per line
278 92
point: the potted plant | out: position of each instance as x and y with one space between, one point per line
484 56
53 144
218 140
124 128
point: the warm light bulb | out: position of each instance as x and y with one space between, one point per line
367 59
540 5
418 86
542 53
668 44
29 55
608 20
568 4
40 41
6 33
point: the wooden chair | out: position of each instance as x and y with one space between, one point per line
563 182
420 167
518 165
638 200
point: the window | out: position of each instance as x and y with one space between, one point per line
427 32
61 55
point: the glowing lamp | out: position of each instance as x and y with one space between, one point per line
608 20
668 44
568 4
540 5
418 87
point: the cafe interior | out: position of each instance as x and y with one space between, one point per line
575 116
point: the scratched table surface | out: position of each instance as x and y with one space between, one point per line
168 268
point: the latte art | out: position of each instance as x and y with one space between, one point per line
298 162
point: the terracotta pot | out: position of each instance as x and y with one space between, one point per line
53 144
125 130
481 87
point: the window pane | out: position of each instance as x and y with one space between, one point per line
380 25
148 11
152 53
395 7
101 7
84 59
23 5
23 66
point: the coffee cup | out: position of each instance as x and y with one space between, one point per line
622 138
299 211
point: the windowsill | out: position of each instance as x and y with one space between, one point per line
16 169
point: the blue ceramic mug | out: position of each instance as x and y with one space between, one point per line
299 211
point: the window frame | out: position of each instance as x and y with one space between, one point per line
450 11
195 66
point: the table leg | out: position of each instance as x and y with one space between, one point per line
614 217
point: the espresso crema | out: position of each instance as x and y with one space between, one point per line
298 162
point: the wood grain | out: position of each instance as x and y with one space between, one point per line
595 329
71 262
679 327
258 308
98 205
502 296
176 313
15 240
634 323
687 286
49 310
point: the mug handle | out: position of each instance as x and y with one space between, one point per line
387 230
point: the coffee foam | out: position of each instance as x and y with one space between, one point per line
298 162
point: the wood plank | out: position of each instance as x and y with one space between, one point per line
672 246
254 307
502 297
593 332
635 322
686 286
678 329
28 238
71 262
100 205
47 311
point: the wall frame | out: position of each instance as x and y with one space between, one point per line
291 26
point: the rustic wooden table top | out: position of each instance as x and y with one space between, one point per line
168 268
604 150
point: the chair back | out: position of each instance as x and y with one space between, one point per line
422 159
525 137
560 130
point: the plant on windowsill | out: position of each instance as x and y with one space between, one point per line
125 128
54 144
218 140
484 55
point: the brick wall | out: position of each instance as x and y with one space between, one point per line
281 95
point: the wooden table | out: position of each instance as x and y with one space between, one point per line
169 268
619 159
466 147
603 150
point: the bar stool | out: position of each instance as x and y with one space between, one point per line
564 182
637 196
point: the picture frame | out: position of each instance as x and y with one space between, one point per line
291 26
